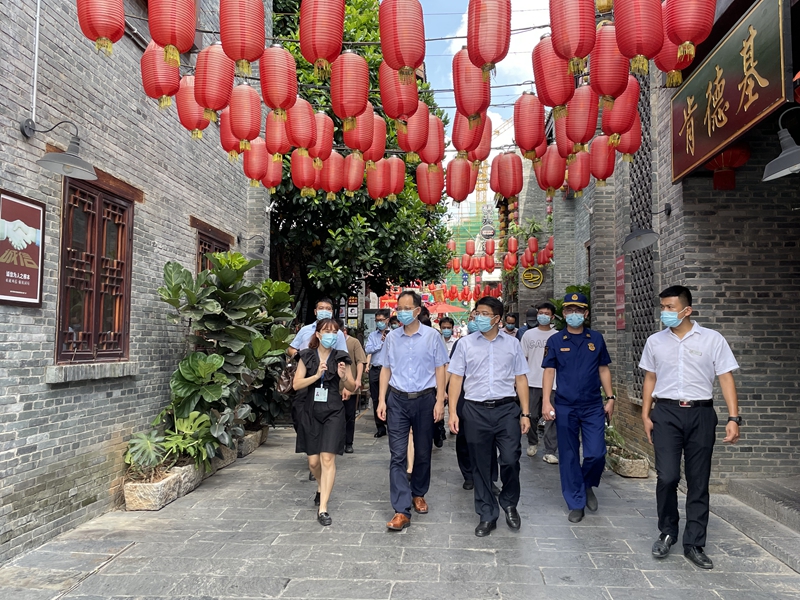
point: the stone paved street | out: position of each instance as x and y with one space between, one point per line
250 532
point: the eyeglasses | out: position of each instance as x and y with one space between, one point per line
573 309
484 314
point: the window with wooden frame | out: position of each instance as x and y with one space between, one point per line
95 278
209 239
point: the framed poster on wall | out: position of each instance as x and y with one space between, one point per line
21 250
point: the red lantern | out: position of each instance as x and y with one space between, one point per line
513 245
172 25
582 117
609 68
399 101
689 22
360 137
333 175
473 94
255 161
528 123
226 138
470 247
640 31
349 87
573 25
488 33
433 151
304 175
190 112
213 80
465 139
321 32
317 180
667 60
323 147
278 73
631 140
554 83
160 80
378 181
456 264
241 30
301 126
245 114
488 246
277 140
539 152
527 258
481 153
512 260
274 174
619 118
430 184
396 172
451 245
402 35
601 159
579 173
103 22
544 258
509 179
378 147
353 173
466 262
477 293
550 243
725 163
488 266
552 170
458 179
414 138
533 245
452 292
474 169
494 174
563 143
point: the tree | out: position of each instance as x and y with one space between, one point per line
329 247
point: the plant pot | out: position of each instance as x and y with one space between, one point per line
152 496
250 441
190 476
228 456
628 464
264 434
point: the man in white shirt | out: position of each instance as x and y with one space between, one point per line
680 364
447 326
533 343
322 310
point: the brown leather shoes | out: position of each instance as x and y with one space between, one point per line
398 522
420 505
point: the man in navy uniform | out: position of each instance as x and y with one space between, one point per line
579 356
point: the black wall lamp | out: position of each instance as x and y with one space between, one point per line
639 239
789 160
66 163
259 254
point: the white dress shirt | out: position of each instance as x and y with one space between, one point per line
489 367
685 368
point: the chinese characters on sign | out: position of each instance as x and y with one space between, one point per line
688 124
21 224
751 76
716 105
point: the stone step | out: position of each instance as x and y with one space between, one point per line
778 499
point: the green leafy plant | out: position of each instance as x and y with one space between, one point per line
199 380
191 438
146 457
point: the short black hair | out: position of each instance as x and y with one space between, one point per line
548 305
383 312
513 316
325 300
424 316
444 320
393 319
493 303
678 291
415 297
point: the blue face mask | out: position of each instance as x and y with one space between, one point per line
543 319
447 332
323 314
575 319
395 325
405 316
483 323
472 327
381 325
329 340
510 326
670 319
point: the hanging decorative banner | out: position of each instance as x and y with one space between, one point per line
620 285
742 81
21 250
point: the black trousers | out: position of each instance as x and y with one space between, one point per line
462 451
690 432
374 390
350 406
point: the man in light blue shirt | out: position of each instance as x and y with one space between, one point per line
374 351
323 310
412 388
493 371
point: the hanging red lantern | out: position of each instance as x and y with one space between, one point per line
451 245
274 175
473 94
317 180
103 22
415 136
353 172
544 258
579 173
528 123
190 112
452 293
667 60
539 152
399 101
360 137
402 35
631 140
433 151
470 247
601 159
457 179
301 126
464 138
474 169
172 25
456 265
277 140
554 83
513 245
551 241
278 73
527 257
488 33
396 172
241 30
688 23
323 147
488 266
160 80
725 164
378 181
466 262
477 292
349 87
430 184
488 247
512 260
494 174
533 244
619 118
245 114
537 171
481 153
378 147
303 173
506 264
573 26
333 175
255 161
553 170
213 80
582 117
321 32
509 179
608 67
640 31
228 141
563 143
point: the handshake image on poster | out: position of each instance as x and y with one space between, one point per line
19 234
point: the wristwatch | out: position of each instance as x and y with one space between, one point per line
528 415
737 420
611 397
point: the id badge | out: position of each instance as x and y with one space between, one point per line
320 395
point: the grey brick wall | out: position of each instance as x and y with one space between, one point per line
61 445
533 205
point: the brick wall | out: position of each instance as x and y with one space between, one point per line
61 445
533 206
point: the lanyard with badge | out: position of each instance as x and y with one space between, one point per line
321 393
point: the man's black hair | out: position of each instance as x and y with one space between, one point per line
548 305
444 320
678 291
326 300
513 316
425 316
393 319
383 312
415 297
493 303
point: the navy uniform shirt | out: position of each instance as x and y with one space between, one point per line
576 357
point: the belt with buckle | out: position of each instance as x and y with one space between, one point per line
685 403
412 395
493 403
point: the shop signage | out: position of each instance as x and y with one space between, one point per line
620 288
532 277
743 80
487 232
21 250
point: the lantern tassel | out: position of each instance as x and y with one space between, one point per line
197 134
302 151
433 168
640 65
614 139
606 102
674 79
604 6
406 75
318 163
272 190
233 156
412 157
104 45
349 123
308 192
578 193
430 208
392 197
529 154
254 183
686 51
322 69
600 183
551 191
330 196
280 114
628 158
401 127
349 193
560 111
474 121
244 144
164 102
577 65
210 115
277 157
570 159
243 68
488 71
172 56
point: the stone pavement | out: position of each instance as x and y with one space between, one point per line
250 532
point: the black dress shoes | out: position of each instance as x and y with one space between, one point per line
316 499
380 433
324 519
484 528
575 516
468 485
698 557
513 519
662 545
591 499
348 448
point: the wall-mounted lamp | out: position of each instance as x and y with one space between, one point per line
639 239
259 255
789 160
66 163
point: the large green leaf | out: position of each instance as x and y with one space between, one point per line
261 347
211 392
181 387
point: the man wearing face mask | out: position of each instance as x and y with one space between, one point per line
446 326
510 326
374 350
323 310
680 364
412 388
580 357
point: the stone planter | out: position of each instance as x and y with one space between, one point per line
250 441
190 476
152 496
264 434
228 456
628 464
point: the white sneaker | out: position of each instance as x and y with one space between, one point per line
551 459
531 450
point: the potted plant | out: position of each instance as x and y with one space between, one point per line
148 483
621 460
193 446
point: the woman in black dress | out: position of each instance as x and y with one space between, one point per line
322 373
